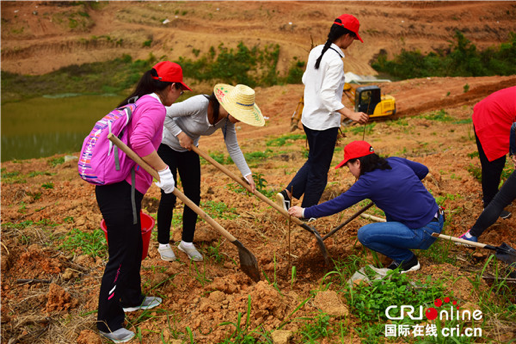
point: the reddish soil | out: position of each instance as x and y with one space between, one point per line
57 301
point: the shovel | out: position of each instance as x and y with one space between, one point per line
264 198
248 262
504 252
354 216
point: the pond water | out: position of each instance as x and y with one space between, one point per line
42 127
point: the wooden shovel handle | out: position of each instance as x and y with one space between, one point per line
245 185
136 158
472 243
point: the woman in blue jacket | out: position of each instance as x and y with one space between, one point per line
394 185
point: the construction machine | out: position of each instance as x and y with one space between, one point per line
367 99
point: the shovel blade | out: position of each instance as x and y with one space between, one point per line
506 254
248 262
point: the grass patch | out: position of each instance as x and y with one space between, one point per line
92 243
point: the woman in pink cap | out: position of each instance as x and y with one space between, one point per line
120 290
394 185
323 111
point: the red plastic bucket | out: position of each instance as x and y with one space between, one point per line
147 226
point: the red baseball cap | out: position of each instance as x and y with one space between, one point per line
170 72
351 23
355 149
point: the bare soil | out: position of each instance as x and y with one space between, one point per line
57 304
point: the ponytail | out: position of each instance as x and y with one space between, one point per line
146 85
216 107
336 32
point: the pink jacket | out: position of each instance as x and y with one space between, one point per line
145 135
492 118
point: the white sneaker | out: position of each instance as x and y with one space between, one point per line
167 254
192 252
148 303
121 335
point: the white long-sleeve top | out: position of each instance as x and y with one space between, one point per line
191 117
323 89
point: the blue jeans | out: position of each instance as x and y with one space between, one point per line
395 240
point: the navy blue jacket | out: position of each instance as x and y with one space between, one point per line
399 192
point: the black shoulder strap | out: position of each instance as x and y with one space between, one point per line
336 52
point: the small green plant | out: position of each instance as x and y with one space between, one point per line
274 282
318 327
49 185
219 210
92 243
200 276
242 333
56 161
285 140
147 43
439 116
466 88
473 155
214 253
293 276
261 184
476 172
218 157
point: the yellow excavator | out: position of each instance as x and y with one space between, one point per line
368 99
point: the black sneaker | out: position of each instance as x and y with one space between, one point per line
411 265
283 199
505 214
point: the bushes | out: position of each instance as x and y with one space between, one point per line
463 59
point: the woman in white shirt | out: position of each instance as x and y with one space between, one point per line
324 85
185 123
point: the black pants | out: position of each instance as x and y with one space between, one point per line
503 198
312 177
491 173
121 283
189 167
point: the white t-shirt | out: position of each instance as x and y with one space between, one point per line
323 89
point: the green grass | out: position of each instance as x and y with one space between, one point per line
285 140
92 243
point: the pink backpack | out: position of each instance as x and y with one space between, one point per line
100 161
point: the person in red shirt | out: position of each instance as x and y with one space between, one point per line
492 120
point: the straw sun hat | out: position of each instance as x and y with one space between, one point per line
238 101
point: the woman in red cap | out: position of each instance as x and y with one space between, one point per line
394 185
323 110
120 290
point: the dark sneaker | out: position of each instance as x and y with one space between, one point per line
411 265
505 214
121 335
148 303
468 237
283 199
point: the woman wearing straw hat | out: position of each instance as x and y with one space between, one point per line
321 118
394 185
186 122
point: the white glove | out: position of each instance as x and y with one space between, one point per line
166 182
